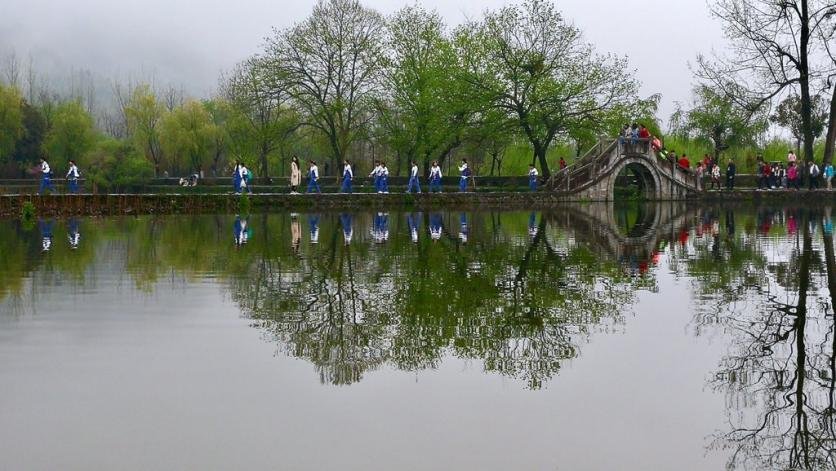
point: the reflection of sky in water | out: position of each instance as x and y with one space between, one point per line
460 340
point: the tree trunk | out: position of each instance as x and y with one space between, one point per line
830 137
540 155
804 82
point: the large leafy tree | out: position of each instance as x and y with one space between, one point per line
144 113
424 110
531 63
72 133
717 119
331 64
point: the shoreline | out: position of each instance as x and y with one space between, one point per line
11 205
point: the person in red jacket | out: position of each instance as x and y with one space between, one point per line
684 162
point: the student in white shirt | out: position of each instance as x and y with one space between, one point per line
532 177
464 170
313 178
46 175
348 175
435 177
414 184
376 176
72 177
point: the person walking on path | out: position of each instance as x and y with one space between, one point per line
72 177
384 178
828 175
375 175
814 172
246 179
348 175
295 175
464 170
313 178
435 177
46 178
731 172
532 177
413 184
236 178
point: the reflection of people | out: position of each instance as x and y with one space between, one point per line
313 223
348 229
436 226
46 235
73 234
380 228
295 232
240 231
828 221
463 229
532 225
412 222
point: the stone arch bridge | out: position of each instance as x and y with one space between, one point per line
594 176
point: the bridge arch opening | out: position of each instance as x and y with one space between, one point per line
635 181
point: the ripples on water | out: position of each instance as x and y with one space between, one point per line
518 296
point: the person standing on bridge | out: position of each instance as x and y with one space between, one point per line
532 177
435 178
348 175
828 175
731 172
464 170
413 184
72 177
814 172
715 176
46 175
313 178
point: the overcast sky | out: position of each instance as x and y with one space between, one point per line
191 42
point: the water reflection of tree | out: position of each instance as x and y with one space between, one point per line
519 305
779 373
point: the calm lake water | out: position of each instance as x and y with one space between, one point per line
588 338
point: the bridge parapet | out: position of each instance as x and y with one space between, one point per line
593 176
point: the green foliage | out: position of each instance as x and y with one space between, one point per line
11 119
788 116
145 113
535 66
186 135
717 118
116 165
71 133
27 211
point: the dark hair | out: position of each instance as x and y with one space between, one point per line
72 162
464 160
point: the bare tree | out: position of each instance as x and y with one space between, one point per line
775 46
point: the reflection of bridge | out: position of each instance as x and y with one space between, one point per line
600 226
594 176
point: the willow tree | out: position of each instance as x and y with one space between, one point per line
533 64
11 119
144 113
776 46
331 64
